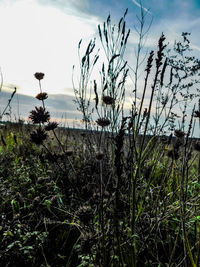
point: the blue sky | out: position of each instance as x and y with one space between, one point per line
42 35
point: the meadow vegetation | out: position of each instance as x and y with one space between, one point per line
123 191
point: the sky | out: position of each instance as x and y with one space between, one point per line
43 36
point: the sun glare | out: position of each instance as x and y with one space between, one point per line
40 38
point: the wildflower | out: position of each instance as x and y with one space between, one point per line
99 155
38 136
39 115
51 126
179 133
103 122
42 96
39 75
108 100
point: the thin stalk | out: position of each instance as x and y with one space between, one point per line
102 214
41 92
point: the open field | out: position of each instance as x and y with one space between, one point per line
71 205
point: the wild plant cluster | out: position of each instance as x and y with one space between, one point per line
123 191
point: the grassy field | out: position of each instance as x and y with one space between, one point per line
126 194
72 205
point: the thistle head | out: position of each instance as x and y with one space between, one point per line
39 75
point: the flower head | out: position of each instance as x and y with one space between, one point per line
179 133
108 100
51 126
39 75
38 136
39 115
103 122
42 96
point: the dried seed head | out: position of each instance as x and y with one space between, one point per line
149 62
51 126
108 100
39 115
103 122
38 136
42 96
179 133
39 75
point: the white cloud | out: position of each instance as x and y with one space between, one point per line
141 6
40 38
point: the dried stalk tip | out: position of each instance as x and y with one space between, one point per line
108 100
179 133
42 96
103 122
39 75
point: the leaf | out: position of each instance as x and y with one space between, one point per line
10 233
189 251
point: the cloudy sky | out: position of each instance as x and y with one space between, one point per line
43 35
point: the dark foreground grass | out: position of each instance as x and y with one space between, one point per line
73 208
